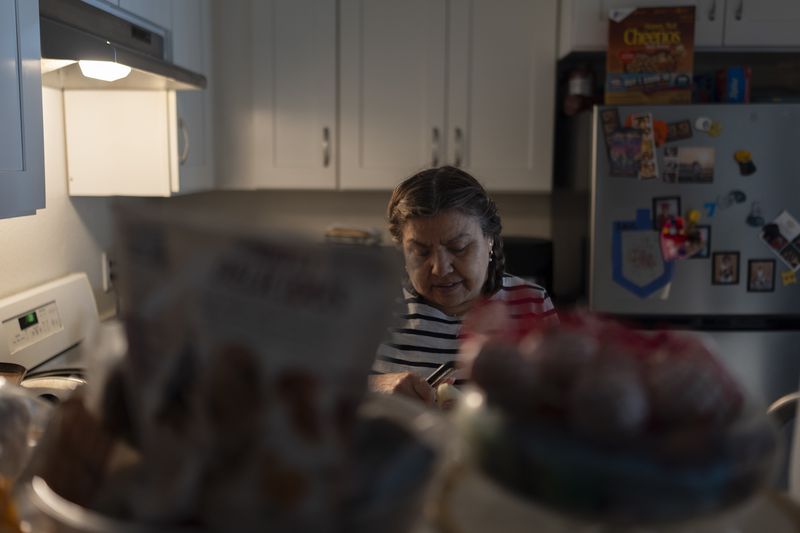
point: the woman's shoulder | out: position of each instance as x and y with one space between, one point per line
516 285
525 298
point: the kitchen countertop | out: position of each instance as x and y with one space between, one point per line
477 505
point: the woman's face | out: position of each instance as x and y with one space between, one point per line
447 259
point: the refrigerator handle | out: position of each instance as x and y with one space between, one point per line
712 13
739 10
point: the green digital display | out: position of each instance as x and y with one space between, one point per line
28 320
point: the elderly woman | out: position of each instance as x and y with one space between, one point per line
449 232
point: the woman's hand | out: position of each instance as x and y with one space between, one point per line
405 383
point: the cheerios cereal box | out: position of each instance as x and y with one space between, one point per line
650 55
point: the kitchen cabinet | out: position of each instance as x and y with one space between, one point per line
147 143
21 133
191 49
762 23
502 63
159 12
461 82
275 65
393 73
718 23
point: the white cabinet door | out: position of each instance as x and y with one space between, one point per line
158 12
275 94
502 60
21 138
191 39
294 94
584 23
754 23
120 142
233 94
392 72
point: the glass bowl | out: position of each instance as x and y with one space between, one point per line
657 479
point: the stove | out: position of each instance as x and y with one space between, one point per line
42 329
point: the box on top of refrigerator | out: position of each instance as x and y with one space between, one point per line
650 55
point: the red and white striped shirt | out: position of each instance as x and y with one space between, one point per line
427 338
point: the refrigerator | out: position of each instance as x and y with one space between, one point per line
736 168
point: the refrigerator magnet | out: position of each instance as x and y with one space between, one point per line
703 124
688 164
732 198
636 260
755 218
761 275
745 160
665 208
782 235
701 235
711 127
659 128
678 131
624 149
682 240
725 268
788 277
648 165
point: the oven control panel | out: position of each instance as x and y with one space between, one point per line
42 322
32 326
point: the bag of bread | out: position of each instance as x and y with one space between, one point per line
248 356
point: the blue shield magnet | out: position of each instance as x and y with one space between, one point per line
637 263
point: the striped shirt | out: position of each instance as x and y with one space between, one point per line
427 338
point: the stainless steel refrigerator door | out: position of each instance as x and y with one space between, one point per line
766 363
772 133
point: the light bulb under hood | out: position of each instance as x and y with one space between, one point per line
103 70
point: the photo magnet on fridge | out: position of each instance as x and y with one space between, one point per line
695 164
704 237
648 166
761 275
678 131
664 209
782 235
725 268
788 277
624 149
669 173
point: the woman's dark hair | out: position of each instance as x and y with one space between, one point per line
432 191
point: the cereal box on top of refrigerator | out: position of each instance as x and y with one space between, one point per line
650 55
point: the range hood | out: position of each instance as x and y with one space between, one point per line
73 31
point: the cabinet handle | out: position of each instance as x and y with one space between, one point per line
435 148
459 140
326 146
184 156
739 11
712 13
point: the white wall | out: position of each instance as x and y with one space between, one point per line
66 236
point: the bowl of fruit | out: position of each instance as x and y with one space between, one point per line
601 422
